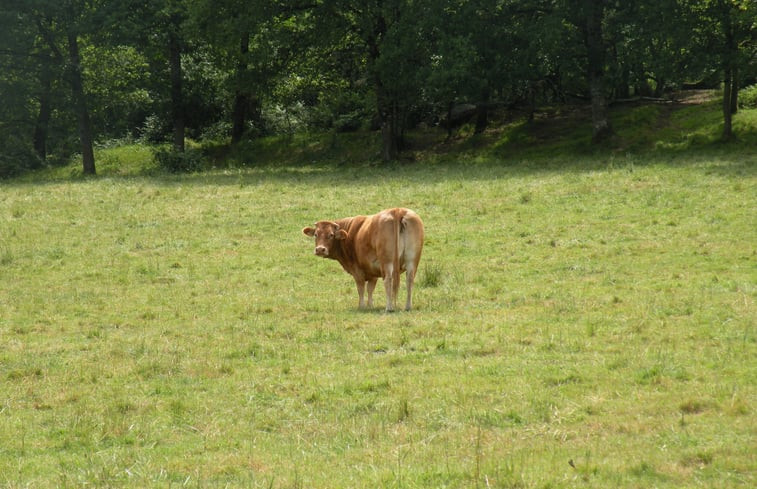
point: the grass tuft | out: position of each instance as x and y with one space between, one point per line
431 275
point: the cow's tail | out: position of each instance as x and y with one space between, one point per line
398 229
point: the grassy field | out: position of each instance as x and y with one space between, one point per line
586 320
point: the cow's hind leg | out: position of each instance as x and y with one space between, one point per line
412 245
410 279
389 286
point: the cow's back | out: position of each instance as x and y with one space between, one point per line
392 235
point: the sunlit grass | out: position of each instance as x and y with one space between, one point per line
581 320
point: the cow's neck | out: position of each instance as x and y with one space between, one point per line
337 252
343 250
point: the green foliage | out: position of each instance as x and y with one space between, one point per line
748 97
284 119
205 94
154 129
17 157
116 82
343 111
172 161
265 68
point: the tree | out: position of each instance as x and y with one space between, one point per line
393 50
174 13
588 17
514 52
251 42
20 71
80 101
726 42
61 24
156 32
458 72
650 47
242 97
79 70
736 27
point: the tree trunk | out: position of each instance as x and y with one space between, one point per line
482 112
531 102
735 90
43 117
601 128
386 105
449 120
241 98
238 117
388 115
482 118
727 86
80 103
600 120
389 149
389 131
729 55
659 89
623 87
177 102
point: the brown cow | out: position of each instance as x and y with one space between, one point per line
368 247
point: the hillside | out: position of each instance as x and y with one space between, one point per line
692 121
688 125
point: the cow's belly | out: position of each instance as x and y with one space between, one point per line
372 269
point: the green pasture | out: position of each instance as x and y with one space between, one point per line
580 321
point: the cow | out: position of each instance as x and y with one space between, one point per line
368 247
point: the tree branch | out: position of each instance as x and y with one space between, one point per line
49 39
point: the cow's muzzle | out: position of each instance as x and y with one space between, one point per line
321 251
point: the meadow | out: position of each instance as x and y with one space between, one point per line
581 320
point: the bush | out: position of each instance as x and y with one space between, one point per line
748 97
280 119
342 111
154 129
16 157
218 131
170 160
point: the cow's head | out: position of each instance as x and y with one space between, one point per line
326 234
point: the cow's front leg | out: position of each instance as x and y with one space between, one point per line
371 287
360 283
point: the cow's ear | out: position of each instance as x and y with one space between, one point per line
341 234
308 231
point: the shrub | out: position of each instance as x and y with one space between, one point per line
218 131
748 97
283 119
343 112
154 129
16 157
170 160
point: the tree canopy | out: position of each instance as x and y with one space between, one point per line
75 72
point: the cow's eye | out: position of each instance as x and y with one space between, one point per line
331 236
